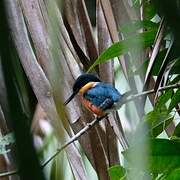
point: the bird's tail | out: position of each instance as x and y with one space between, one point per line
123 99
125 96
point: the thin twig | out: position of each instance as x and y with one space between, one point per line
90 125
132 97
73 139
9 173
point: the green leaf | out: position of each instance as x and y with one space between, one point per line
173 175
116 172
175 80
175 68
175 100
163 155
158 62
134 26
149 10
157 121
162 100
60 168
56 170
160 127
141 40
136 3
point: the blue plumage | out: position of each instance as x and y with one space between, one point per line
103 95
98 97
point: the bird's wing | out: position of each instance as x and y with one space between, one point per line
102 96
107 104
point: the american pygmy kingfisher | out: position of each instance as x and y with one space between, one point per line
97 96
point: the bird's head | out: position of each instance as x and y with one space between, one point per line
80 82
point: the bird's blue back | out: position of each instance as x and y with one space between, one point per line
103 95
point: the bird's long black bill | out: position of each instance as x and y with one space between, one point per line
69 99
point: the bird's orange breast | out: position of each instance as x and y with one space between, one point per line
99 112
91 107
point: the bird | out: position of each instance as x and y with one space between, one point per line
98 97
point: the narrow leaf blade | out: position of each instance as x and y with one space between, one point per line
141 40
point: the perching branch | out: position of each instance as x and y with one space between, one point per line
90 125
132 97
73 139
9 173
